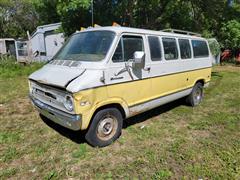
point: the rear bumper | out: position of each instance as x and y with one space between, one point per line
69 121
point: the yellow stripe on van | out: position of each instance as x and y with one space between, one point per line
131 93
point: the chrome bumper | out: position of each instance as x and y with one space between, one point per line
69 121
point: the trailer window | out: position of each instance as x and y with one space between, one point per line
126 48
170 48
200 48
155 48
185 48
22 48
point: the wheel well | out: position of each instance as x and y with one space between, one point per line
200 81
114 105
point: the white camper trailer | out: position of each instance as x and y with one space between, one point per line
46 42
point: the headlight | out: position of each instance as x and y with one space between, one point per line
30 86
68 103
32 89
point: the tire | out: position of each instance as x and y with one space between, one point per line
196 96
105 128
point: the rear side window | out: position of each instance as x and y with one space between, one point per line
185 48
155 48
200 48
170 48
126 48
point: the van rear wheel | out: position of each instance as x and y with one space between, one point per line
105 128
196 96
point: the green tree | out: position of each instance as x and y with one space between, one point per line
105 12
17 17
47 11
206 17
230 34
74 14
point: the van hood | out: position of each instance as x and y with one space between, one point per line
55 75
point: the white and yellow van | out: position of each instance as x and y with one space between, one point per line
104 75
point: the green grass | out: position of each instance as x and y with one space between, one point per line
173 142
8 137
8 172
162 174
80 152
9 68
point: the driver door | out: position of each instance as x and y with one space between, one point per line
125 81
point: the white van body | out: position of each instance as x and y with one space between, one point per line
130 86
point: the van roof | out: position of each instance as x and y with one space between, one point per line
120 30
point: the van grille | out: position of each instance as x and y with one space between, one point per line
52 96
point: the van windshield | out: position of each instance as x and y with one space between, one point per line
86 46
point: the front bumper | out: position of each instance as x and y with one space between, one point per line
69 121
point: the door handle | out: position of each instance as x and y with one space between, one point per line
147 69
116 78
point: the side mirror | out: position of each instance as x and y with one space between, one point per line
139 59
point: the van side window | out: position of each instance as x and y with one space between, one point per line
155 48
200 48
170 48
185 48
126 48
118 55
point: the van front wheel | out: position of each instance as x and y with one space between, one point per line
196 95
105 128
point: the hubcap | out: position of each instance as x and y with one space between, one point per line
197 97
107 128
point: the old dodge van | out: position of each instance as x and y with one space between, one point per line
103 75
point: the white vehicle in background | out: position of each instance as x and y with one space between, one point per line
104 75
46 41
7 46
215 50
16 48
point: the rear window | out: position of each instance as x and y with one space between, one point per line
200 48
